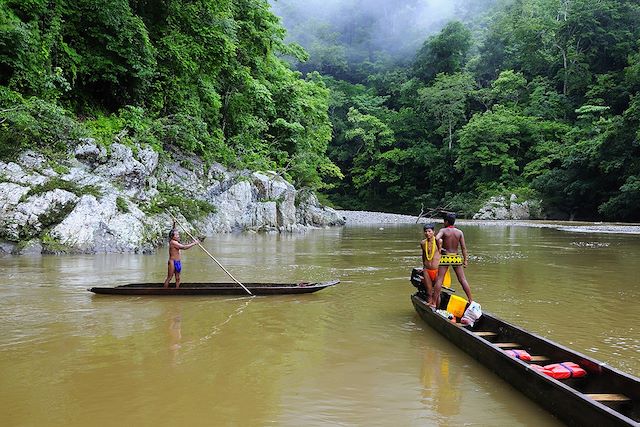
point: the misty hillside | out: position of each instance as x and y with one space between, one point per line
446 104
340 35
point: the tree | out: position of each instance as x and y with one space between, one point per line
374 153
544 101
509 88
577 186
446 101
445 52
503 147
116 58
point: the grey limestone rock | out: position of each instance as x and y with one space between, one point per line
12 172
88 152
33 247
26 219
31 159
131 180
497 208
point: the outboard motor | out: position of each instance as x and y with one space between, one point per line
416 281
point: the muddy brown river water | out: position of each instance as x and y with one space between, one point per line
356 354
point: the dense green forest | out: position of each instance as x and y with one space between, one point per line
203 77
375 104
536 97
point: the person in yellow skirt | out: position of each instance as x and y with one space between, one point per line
452 239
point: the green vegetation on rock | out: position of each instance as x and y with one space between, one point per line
59 183
168 201
121 205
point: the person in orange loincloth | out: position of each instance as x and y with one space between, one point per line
430 259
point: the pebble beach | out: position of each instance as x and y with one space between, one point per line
355 218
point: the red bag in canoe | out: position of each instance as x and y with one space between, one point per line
566 370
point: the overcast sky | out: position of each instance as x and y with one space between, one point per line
393 23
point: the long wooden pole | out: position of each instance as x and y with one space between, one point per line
207 252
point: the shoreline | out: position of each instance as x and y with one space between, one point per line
356 218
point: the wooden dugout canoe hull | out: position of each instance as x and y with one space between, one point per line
215 288
573 400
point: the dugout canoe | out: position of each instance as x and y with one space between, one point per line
604 397
215 288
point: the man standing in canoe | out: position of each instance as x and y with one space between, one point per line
430 260
175 264
452 238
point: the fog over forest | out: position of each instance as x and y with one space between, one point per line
396 27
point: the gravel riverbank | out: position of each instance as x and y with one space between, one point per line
371 218
366 217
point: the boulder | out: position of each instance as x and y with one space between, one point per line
234 208
10 195
83 177
97 226
7 248
311 213
123 167
31 159
519 210
88 152
12 172
498 208
271 187
28 218
265 216
32 247
149 159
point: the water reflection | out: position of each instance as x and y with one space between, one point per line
441 383
175 332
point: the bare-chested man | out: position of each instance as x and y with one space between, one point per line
174 263
451 239
430 259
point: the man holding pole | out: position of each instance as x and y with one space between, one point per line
452 238
175 264
177 252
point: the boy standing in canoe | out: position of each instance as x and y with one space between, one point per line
430 260
452 238
174 263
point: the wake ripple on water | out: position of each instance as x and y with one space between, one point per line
217 328
497 258
591 244
362 268
624 343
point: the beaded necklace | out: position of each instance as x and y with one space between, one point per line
433 249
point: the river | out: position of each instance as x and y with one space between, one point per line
355 354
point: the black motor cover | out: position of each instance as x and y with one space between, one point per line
416 278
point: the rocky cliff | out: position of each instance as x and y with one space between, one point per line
118 200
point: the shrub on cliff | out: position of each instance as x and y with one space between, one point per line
35 124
